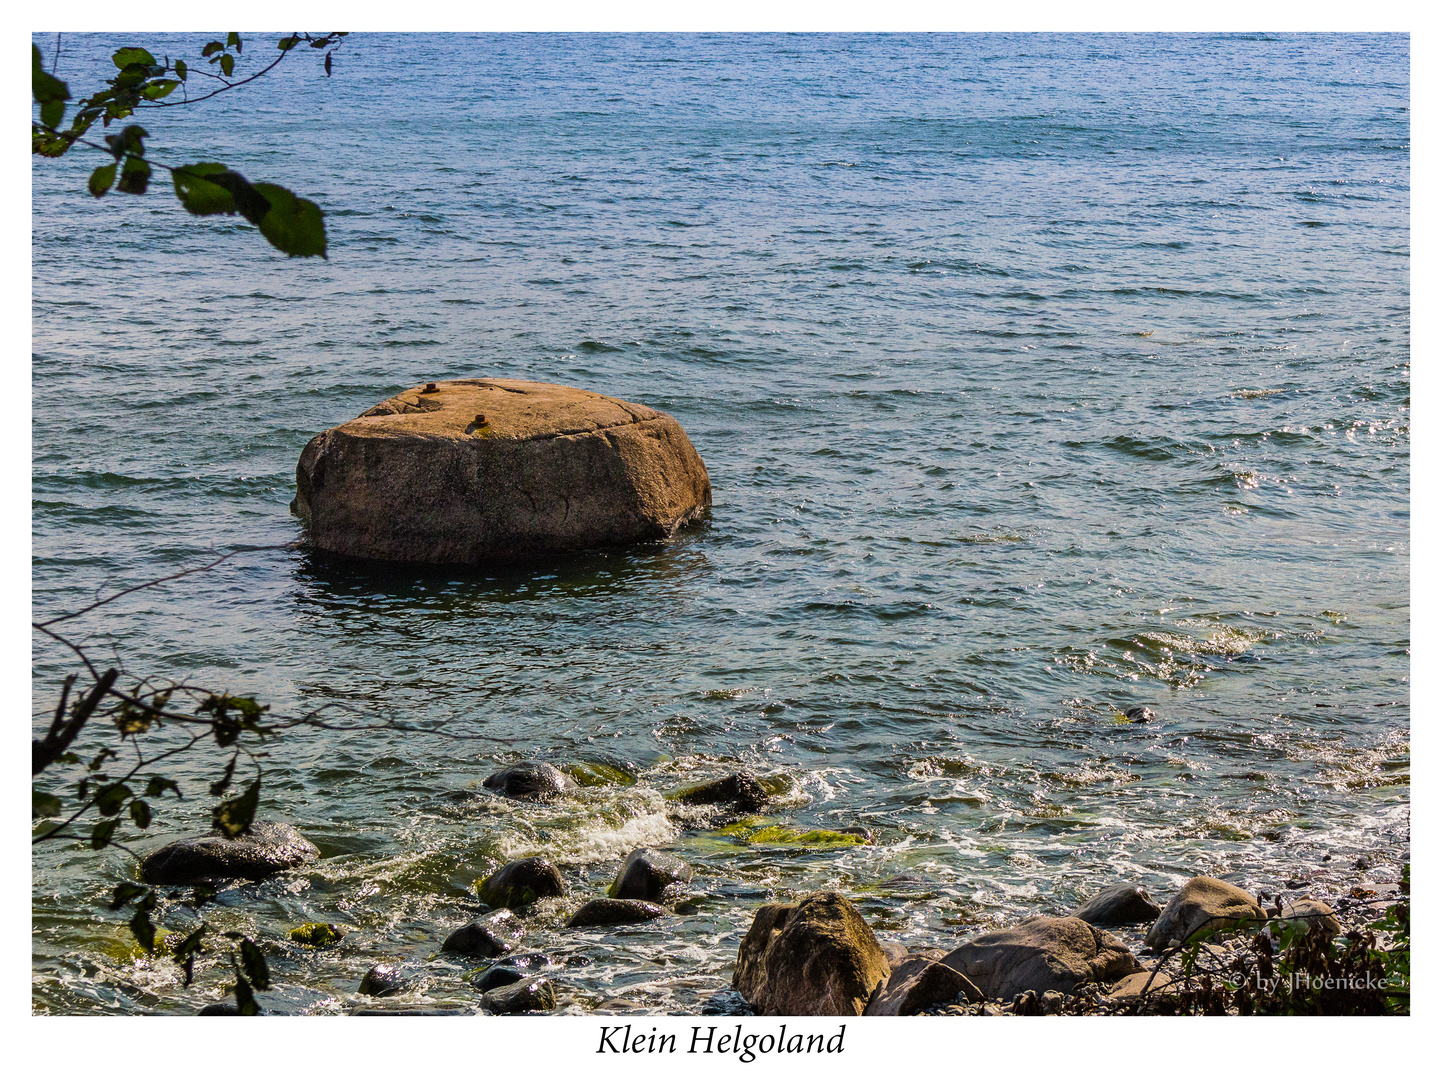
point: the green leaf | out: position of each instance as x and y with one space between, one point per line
218 788
131 140
285 44
125 892
140 814
52 113
227 65
197 192
213 47
141 926
253 961
187 950
100 835
295 226
181 70
43 805
135 177
233 39
234 816
158 785
43 85
125 57
159 89
244 999
327 64
109 799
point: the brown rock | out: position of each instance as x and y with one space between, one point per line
494 470
917 983
1134 983
814 958
1202 903
1307 913
1042 954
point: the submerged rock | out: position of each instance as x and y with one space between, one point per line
494 934
740 791
520 883
918 982
493 470
536 994
1140 714
647 874
268 848
1203 903
1042 954
1122 905
529 781
317 935
813 958
615 912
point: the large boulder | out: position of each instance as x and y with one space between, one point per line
529 781
647 874
1306 913
1123 905
813 958
1042 954
918 982
521 882
268 848
1204 903
493 470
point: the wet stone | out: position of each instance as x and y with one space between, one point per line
535 994
647 874
1140 714
493 978
529 781
614 912
741 791
384 980
520 883
1123 905
494 934
268 848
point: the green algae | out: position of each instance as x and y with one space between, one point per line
317 935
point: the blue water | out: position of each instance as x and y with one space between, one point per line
1038 377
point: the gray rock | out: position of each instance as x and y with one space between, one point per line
813 958
481 471
1042 954
918 982
1123 905
267 849
647 874
536 994
529 781
614 912
494 934
521 882
741 791
1203 903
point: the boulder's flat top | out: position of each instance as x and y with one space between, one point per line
513 409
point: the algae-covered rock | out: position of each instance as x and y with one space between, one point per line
813 958
481 471
529 781
521 882
494 934
647 874
786 836
608 912
1203 904
268 848
599 774
318 935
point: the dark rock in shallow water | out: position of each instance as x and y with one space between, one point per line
267 849
494 934
647 874
1119 906
384 980
410 1010
496 977
529 781
1042 954
226 1008
520 883
614 912
535 994
1140 714
739 790
917 983
813 958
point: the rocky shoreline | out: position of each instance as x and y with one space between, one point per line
1119 951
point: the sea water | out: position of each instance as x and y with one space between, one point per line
1039 377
